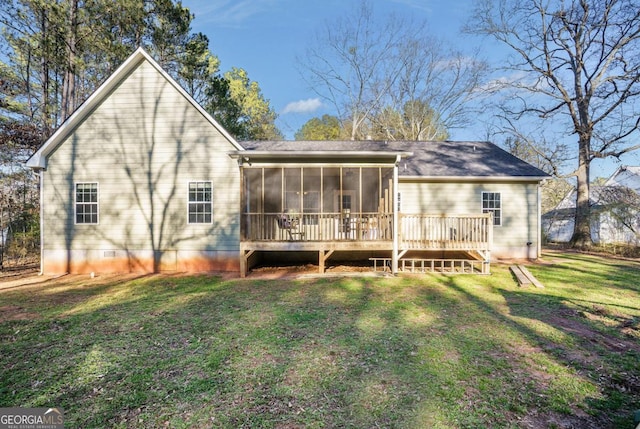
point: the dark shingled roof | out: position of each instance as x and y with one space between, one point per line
429 159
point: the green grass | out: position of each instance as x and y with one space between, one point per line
408 352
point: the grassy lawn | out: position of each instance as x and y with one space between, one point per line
424 351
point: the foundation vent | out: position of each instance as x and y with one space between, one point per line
109 253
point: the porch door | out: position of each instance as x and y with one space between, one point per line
343 204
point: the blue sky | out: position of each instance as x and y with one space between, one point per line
264 37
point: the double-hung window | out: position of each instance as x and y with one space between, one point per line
492 203
200 207
86 203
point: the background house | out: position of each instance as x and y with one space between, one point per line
141 178
615 206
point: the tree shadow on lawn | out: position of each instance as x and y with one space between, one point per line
188 352
81 343
577 340
174 350
616 267
357 352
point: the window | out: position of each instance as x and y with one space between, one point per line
345 200
87 203
200 208
491 203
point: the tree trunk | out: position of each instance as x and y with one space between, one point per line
69 84
582 226
47 121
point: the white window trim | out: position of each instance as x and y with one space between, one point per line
197 202
482 208
75 203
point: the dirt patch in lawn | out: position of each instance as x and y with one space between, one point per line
14 312
296 271
537 420
568 321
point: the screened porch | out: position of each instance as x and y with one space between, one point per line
338 205
316 203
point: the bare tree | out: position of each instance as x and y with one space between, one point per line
435 88
390 76
576 67
351 68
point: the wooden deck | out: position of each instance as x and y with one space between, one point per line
327 233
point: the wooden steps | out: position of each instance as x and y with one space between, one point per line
524 276
451 266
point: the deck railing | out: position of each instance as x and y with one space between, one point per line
317 226
416 231
446 232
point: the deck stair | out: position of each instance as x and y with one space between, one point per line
413 265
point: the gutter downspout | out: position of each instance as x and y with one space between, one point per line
396 221
40 173
539 222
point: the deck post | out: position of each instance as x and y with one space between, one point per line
486 268
322 257
394 199
244 261
243 264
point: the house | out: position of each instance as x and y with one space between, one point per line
614 211
141 178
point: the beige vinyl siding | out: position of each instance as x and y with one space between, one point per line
519 209
143 145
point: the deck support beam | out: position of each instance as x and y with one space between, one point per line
322 257
244 261
485 255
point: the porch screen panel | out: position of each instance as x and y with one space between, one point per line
253 190
330 185
293 190
386 195
350 194
273 190
370 189
311 190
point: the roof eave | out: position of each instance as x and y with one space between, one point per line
493 179
255 154
39 159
